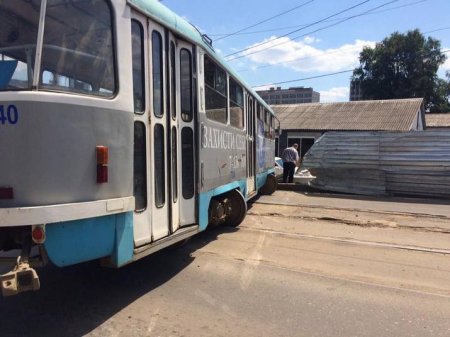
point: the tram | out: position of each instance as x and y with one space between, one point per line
122 132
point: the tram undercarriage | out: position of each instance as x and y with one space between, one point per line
21 256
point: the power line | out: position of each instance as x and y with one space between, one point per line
307 26
326 53
331 20
436 30
268 19
299 59
305 78
315 31
319 76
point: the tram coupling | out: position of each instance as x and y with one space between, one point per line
21 278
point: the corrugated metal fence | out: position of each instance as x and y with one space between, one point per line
412 163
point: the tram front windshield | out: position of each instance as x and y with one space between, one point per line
77 52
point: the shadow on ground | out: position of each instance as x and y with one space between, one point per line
75 300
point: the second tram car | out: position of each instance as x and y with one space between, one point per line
121 132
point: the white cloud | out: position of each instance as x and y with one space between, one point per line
339 94
310 40
302 57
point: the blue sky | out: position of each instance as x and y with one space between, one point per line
331 50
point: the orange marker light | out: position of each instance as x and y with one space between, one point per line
102 155
102 164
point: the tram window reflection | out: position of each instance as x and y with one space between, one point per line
157 72
140 167
78 48
186 85
18 39
236 105
188 177
138 66
215 92
159 160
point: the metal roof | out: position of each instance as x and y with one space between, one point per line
381 115
413 163
441 120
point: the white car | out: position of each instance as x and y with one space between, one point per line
278 168
302 177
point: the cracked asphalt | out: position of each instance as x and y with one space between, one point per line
299 265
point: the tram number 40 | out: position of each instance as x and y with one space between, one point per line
8 114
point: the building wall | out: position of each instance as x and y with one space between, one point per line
289 96
304 139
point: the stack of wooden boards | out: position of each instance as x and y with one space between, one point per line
377 163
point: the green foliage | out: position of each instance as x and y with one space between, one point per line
404 66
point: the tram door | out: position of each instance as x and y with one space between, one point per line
164 134
172 129
186 107
251 181
182 154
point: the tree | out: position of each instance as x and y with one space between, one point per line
404 66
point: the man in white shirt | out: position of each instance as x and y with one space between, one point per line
290 160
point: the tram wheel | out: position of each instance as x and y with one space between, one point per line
237 208
270 186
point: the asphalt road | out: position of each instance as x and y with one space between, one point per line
298 268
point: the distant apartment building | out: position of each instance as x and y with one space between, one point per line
294 95
355 91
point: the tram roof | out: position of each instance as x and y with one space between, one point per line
168 18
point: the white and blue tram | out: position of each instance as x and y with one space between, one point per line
121 132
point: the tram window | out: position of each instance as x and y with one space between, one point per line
188 177
157 71
249 107
61 82
258 107
78 51
272 126
266 124
174 165
159 160
259 126
18 39
137 37
250 118
173 97
186 85
236 105
215 91
140 167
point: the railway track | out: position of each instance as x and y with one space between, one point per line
417 215
348 241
